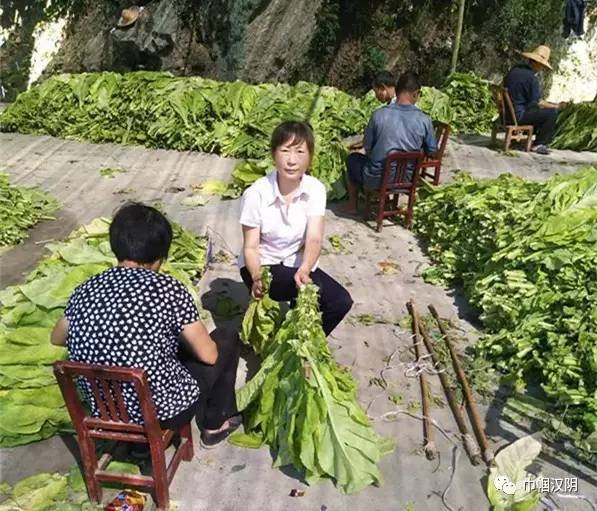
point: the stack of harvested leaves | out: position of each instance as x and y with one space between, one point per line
527 255
20 209
31 405
577 128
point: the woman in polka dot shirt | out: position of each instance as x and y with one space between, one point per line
133 316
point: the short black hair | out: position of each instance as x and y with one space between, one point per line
298 131
408 82
383 79
140 233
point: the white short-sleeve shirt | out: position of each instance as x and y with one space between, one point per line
282 229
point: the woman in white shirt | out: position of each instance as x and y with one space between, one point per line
282 222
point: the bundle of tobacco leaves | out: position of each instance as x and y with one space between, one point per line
304 406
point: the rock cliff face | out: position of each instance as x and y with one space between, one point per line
336 42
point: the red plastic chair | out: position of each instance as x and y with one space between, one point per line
431 167
113 423
384 203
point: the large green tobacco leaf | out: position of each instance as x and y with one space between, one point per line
20 209
262 318
31 406
304 406
526 253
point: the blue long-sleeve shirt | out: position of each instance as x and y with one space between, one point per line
397 127
524 89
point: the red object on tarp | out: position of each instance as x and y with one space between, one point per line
127 500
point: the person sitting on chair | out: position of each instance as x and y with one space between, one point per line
524 89
384 87
398 126
132 316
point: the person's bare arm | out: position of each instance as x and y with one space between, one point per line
198 338
251 237
59 333
313 241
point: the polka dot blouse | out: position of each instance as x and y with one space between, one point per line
132 317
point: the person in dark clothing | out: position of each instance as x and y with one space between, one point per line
524 89
574 17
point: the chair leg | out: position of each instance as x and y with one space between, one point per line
508 139
438 169
409 210
529 142
160 477
494 132
380 211
187 437
89 461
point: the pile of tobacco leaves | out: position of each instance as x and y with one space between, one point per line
301 402
229 118
31 405
526 253
577 128
20 209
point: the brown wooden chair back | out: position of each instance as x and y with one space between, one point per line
504 105
395 182
442 134
113 423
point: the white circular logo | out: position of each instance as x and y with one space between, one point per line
509 488
499 482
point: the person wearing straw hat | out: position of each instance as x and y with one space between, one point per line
129 16
523 85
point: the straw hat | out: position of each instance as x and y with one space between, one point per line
540 54
129 16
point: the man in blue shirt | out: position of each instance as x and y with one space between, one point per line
523 86
398 126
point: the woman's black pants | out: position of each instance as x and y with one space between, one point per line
217 401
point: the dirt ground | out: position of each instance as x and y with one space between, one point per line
231 478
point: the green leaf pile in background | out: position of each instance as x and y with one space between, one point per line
472 103
31 405
229 118
304 406
577 128
526 253
20 209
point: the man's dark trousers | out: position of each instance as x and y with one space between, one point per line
544 122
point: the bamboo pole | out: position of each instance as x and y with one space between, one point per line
469 444
467 391
428 443
457 35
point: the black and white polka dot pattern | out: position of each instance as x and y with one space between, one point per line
132 317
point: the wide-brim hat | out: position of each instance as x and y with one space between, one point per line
129 16
540 54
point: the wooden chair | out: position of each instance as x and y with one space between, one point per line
384 202
113 423
431 167
507 122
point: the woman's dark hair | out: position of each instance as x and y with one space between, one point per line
383 79
140 233
296 131
408 82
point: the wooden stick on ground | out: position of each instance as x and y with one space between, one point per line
429 444
467 391
469 444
